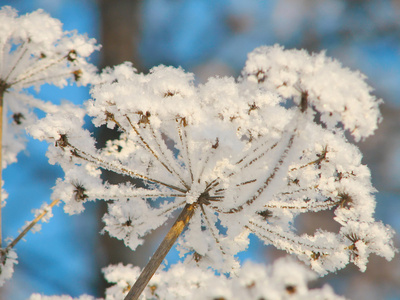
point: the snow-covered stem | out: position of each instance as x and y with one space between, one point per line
32 223
162 251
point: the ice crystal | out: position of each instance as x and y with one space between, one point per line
250 154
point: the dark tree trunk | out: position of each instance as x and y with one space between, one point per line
120 23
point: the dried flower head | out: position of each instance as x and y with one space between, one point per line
246 155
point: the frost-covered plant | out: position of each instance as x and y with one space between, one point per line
285 279
237 156
34 50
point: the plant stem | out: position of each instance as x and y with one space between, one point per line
33 223
161 252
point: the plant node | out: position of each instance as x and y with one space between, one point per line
17 117
72 55
345 200
304 101
260 75
62 142
79 192
266 214
291 289
77 74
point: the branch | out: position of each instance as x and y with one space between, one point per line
33 223
162 251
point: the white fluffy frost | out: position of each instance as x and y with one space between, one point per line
249 154
285 279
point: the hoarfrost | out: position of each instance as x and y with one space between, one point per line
249 154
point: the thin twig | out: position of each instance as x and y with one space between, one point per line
167 243
210 226
185 147
37 70
118 168
25 49
266 183
33 223
167 162
307 207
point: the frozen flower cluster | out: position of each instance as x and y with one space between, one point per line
247 155
35 51
285 279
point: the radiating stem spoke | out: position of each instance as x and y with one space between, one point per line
118 168
266 183
286 240
24 49
32 72
150 149
210 226
315 206
49 78
254 151
185 147
149 195
164 155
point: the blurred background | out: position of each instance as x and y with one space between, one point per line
206 37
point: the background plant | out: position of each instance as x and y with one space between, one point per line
29 59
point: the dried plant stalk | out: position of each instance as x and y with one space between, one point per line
162 251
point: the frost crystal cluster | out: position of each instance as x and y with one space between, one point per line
246 156
34 50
